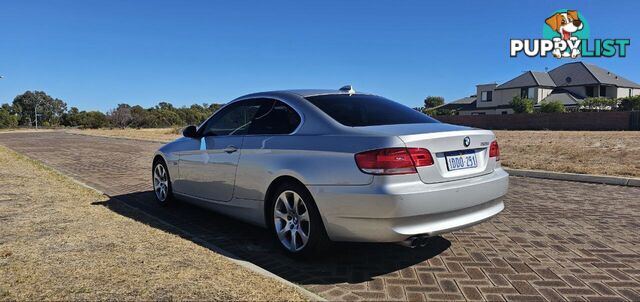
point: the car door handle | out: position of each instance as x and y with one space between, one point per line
230 149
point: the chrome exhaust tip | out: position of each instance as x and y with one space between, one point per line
423 241
410 242
415 241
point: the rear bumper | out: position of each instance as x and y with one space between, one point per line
394 208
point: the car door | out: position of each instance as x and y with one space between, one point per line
266 145
209 171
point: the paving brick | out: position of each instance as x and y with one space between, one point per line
423 289
475 273
427 278
524 288
498 280
547 274
633 295
602 289
370 295
555 240
526 298
550 294
395 292
448 286
576 291
416 297
494 297
550 283
471 293
498 290
446 297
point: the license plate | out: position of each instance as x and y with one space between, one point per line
459 160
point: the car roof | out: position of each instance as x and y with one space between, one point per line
312 92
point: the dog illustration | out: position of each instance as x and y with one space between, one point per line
565 24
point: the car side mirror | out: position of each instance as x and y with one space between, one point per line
190 131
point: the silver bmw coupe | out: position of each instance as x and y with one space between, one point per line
316 166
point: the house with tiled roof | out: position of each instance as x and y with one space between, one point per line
569 84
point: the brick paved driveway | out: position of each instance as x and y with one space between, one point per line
556 240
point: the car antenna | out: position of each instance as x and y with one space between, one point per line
348 88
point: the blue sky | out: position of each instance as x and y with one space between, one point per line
96 54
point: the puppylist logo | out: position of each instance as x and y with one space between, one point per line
566 35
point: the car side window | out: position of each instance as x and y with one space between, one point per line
234 119
274 117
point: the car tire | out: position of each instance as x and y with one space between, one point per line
289 222
161 181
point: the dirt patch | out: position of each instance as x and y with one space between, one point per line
588 152
58 243
155 134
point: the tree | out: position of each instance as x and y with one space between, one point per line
7 119
121 116
71 118
433 101
139 117
165 118
50 110
551 106
93 119
521 105
630 103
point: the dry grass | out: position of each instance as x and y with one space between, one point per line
154 134
26 130
587 152
56 245
590 152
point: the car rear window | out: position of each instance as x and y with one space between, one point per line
367 110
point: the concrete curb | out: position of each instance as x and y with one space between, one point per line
588 178
233 258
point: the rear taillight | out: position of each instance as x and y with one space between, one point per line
393 160
494 150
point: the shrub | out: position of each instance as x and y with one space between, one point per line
551 106
436 112
598 103
630 103
522 105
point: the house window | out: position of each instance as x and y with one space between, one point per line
486 96
524 93
603 90
591 91
478 113
528 93
504 112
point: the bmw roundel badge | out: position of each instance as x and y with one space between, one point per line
466 141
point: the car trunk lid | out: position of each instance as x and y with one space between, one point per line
445 141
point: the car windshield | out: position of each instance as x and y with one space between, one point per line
367 110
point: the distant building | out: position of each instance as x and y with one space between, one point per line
569 84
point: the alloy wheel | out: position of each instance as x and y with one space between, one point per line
160 182
292 221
